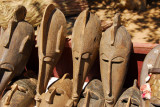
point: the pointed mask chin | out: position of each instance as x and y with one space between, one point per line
6 71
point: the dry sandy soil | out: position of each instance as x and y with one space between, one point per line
144 27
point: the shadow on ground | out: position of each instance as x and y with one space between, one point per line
143 26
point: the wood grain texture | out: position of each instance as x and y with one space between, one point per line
114 58
51 40
15 47
85 43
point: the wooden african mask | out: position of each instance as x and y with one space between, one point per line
15 47
130 98
115 47
20 93
85 43
93 95
58 93
51 41
151 66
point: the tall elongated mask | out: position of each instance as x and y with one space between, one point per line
93 95
115 47
15 47
51 41
130 98
58 93
151 68
20 93
85 43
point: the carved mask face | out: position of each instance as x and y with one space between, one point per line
51 41
130 98
93 95
58 94
20 94
15 48
85 43
113 62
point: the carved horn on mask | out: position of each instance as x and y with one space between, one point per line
114 27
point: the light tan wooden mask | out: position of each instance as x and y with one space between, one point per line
58 93
51 41
115 48
20 93
85 43
93 95
15 47
130 98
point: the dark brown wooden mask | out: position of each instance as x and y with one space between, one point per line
51 41
85 43
58 93
151 64
15 47
20 93
93 95
115 47
130 98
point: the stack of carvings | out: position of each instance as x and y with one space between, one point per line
114 48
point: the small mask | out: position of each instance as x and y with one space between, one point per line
15 47
58 93
115 47
51 41
20 93
93 95
130 97
85 43
151 66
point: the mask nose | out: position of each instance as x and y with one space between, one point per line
50 95
75 92
109 97
109 77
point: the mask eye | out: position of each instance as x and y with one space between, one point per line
118 60
135 102
104 58
86 55
59 91
132 102
92 95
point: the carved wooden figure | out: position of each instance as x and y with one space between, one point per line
85 43
51 41
130 98
115 47
93 95
151 65
20 93
15 47
58 93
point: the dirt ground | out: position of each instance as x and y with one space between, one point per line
144 27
